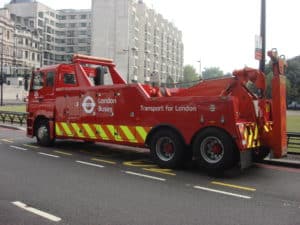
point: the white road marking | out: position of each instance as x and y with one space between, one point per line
90 164
53 156
146 176
37 211
18 148
223 192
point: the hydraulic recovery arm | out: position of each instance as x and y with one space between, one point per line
271 113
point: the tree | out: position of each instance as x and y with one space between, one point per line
212 72
189 74
293 75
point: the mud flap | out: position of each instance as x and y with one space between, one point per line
51 128
245 159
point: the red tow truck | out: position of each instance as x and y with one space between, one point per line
218 122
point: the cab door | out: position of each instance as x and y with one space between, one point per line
68 97
42 93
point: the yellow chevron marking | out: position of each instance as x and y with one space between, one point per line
255 133
77 130
128 134
266 128
89 131
246 133
57 130
141 132
112 130
250 138
101 132
67 129
255 137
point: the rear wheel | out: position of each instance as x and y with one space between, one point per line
215 149
43 133
167 148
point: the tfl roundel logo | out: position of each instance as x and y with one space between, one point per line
88 104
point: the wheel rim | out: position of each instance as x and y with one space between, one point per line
42 132
165 148
212 149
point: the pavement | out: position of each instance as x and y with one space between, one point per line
290 160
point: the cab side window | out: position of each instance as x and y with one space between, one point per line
38 81
50 79
69 78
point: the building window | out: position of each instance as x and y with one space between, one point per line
72 25
26 54
33 56
83 32
40 23
83 24
41 14
83 17
72 17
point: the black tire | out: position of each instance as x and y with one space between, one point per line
42 133
215 150
260 153
167 148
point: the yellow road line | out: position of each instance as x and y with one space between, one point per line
104 161
138 163
31 146
233 186
63 153
7 140
161 171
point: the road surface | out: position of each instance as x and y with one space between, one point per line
90 184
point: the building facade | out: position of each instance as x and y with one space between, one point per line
61 32
143 44
20 47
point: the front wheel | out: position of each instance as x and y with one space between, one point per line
43 133
215 149
167 148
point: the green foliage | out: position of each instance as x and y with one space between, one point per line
189 74
13 108
293 75
212 72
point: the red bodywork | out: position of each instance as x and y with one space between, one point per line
128 114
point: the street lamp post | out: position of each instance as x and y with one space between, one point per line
1 77
263 35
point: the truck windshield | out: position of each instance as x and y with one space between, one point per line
38 81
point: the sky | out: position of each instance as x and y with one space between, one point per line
221 33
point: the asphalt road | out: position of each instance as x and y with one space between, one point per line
85 184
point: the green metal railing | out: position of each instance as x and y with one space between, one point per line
13 117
